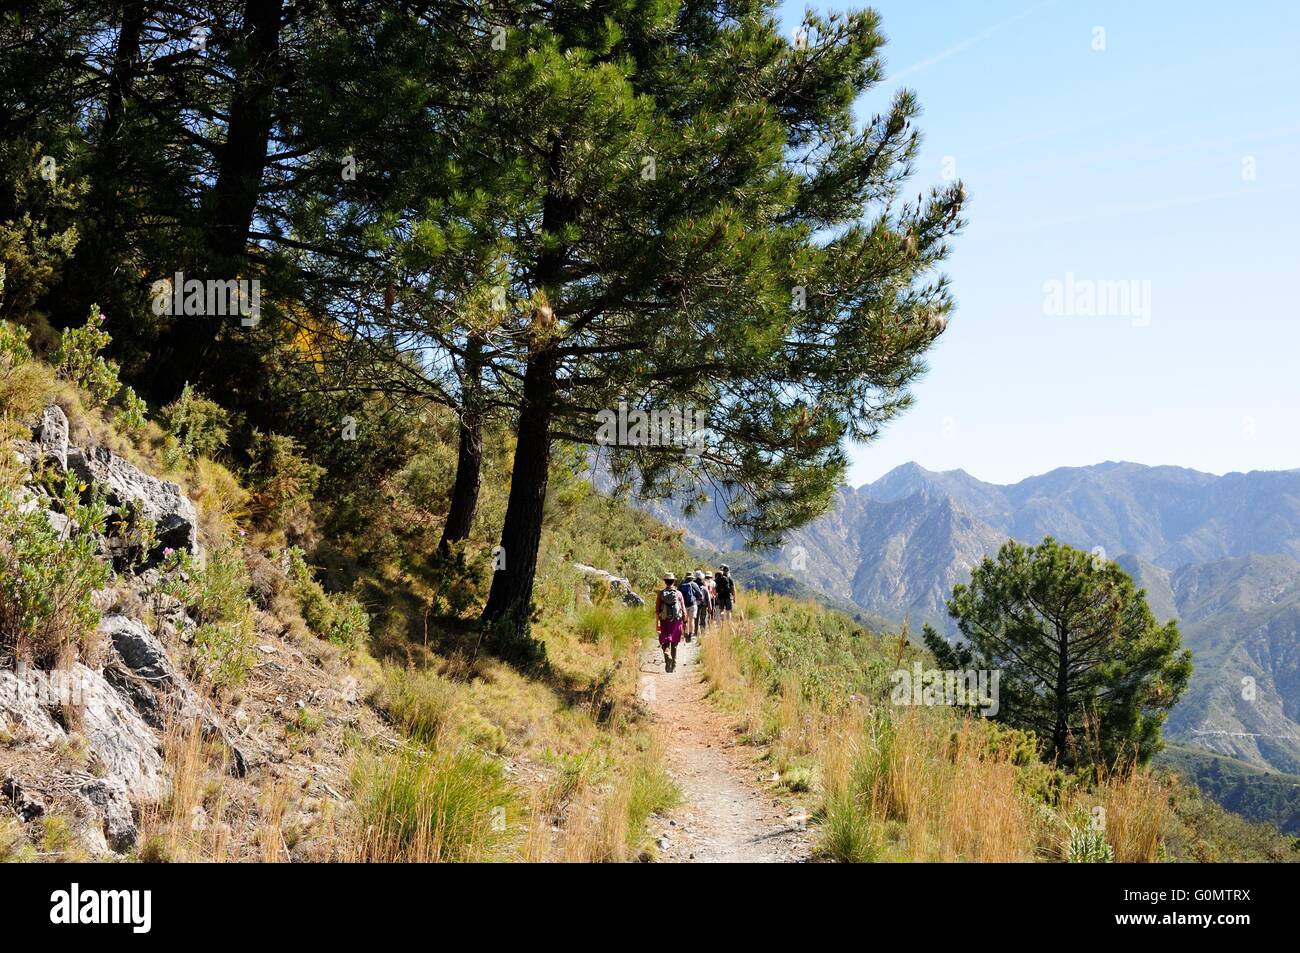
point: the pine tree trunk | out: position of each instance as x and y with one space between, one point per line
243 156
241 164
85 282
469 456
509 605
509 601
1061 730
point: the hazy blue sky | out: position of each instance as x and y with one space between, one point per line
1132 163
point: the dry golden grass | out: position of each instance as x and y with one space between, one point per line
170 828
1130 804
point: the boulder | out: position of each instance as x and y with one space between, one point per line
23 712
162 502
119 736
618 585
108 798
51 435
159 691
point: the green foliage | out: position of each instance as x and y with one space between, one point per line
651 790
198 426
825 654
617 626
216 594
1088 843
23 383
418 701
134 536
1084 664
281 479
47 577
223 651
14 349
1242 788
1201 831
338 617
132 415
36 239
79 361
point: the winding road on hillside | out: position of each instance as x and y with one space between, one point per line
728 814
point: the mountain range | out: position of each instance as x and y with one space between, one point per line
1220 554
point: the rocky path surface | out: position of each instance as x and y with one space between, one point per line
729 815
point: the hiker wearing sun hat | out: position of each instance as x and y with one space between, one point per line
670 620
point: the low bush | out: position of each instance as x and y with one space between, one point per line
337 617
281 479
216 595
47 576
197 427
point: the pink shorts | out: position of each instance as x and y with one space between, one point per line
670 633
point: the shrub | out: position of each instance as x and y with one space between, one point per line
224 652
23 382
216 594
77 359
14 349
338 617
215 591
281 479
199 427
133 413
135 536
1088 841
47 578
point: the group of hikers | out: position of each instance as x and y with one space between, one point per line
686 608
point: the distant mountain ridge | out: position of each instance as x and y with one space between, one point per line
1219 553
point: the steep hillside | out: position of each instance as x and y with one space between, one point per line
1216 553
177 684
1240 618
1259 795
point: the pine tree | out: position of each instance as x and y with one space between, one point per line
1084 664
704 225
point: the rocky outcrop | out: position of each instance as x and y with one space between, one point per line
107 797
162 694
618 585
52 435
119 737
162 502
42 710
89 740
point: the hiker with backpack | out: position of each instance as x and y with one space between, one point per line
711 588
693 596
670 620
726 591
706 606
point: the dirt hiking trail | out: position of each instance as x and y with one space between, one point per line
728 815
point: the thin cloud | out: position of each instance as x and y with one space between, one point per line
969 41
